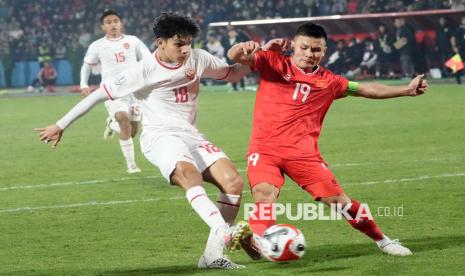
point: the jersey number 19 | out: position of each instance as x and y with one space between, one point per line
301 88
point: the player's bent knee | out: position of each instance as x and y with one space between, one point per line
264 192
234 184
186 176
340 199
122 118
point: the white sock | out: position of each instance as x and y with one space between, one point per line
229 206
114 126
127 147
201 203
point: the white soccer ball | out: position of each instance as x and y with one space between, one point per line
283 243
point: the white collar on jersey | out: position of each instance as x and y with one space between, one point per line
167 65
115 39
303 72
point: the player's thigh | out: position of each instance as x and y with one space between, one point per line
134 128
135 114
204 152
165 152
116 106
265 175
314 176
224 175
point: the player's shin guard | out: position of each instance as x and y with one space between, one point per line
205 208
364 225
262 218
229 206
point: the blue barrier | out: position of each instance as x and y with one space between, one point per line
24 72
65 72
18 76
2 75
32 68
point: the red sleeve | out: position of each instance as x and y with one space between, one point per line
263 60
340 86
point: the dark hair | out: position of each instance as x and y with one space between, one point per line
313 30
168 25
107 13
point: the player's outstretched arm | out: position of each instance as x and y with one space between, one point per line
53 133
85 73
416 87
243 52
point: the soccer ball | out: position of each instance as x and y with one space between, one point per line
282 243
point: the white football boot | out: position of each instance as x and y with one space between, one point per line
133 170
393 247
108 133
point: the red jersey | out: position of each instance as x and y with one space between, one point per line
290 106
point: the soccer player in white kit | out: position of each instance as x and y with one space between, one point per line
167 84
116 52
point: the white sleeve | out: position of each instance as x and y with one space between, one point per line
237 72
212 66
91 56
141 50
126 82
82 108
85 73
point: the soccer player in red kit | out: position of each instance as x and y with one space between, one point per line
294 94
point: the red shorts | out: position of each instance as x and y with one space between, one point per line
312 175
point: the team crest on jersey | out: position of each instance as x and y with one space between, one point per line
321 83
190 73
287 77
126 45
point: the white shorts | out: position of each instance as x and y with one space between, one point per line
165 150
130 105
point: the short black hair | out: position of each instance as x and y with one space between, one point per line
107 13
168 25
313 30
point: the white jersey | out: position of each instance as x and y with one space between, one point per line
168 94
115 55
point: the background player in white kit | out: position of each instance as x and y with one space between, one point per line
167 83
116 52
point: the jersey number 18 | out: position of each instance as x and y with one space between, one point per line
181 94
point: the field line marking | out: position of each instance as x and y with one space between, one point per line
119 202
71 183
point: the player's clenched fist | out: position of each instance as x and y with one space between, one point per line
249 47
418 85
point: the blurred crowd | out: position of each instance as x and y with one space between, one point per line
46 30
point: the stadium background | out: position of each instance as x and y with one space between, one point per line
34 31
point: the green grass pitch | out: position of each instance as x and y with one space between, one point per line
74 210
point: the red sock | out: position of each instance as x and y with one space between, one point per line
364 225
264 218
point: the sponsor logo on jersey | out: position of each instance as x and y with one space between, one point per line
190 73
287 77
126 45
